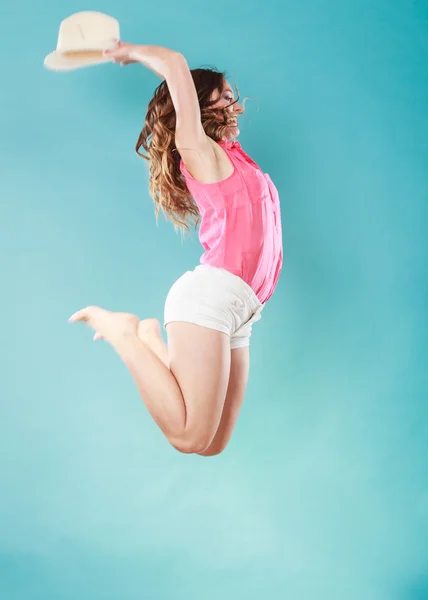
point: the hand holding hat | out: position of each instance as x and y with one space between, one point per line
125 54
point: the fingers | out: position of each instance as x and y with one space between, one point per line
123 54
120 50
128 61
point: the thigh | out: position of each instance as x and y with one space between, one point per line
200 361
238 379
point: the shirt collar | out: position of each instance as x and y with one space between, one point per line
231 145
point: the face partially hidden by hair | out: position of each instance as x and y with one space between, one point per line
228 110
219 109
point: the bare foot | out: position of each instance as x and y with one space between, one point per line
108 325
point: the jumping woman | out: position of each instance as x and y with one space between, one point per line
194 386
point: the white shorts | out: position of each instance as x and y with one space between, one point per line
214 298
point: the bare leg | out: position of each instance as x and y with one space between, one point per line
187 400
238 379
149 332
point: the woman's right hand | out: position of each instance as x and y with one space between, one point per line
124 54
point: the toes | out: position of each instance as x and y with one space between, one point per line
78 316
81 315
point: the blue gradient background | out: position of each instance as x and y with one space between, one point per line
323 492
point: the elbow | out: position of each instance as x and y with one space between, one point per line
175 62
178 57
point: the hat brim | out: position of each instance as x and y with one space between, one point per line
58 61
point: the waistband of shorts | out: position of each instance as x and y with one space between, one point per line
238 285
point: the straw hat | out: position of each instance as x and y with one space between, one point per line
81 40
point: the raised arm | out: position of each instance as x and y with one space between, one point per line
190 137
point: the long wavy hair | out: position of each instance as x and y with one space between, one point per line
166 183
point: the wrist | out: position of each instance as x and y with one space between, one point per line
145 52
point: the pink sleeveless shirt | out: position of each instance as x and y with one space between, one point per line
240 228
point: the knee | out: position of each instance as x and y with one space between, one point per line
192 443
211 451
217 446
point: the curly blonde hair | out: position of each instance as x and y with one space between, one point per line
166 183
